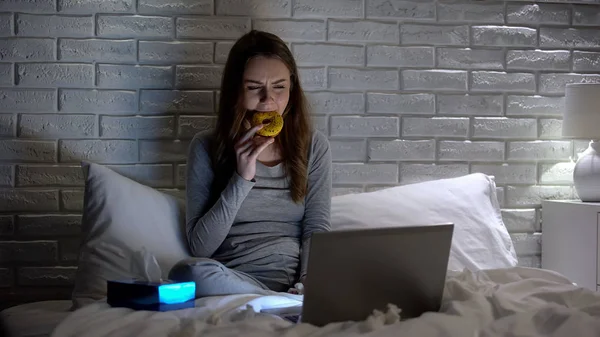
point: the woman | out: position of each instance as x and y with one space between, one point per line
253 202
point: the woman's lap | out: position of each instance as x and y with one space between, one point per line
276 271
212 278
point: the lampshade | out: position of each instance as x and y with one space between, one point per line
581 118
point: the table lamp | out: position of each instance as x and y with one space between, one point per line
581 120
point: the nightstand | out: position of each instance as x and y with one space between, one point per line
570 240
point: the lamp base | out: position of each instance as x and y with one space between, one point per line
586 174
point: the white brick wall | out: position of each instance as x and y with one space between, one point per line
407 91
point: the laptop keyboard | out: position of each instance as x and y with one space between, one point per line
293 318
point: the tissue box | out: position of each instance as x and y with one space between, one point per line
153 296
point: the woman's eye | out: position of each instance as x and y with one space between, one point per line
253 88
280 87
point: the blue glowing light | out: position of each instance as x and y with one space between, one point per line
176 292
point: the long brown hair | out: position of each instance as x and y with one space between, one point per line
294 139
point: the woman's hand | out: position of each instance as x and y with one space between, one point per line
298 289
247 150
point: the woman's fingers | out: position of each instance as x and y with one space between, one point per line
256 141
258 149
248 135
246 140
252 146
247 125
244 147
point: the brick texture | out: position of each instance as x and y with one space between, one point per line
407 91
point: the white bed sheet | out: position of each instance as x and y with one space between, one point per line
34 319
502 302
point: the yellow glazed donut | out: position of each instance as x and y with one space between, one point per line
271 119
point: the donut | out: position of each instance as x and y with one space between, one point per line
272 120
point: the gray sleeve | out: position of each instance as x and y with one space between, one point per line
206 228
318 198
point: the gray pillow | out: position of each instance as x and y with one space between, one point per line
120 217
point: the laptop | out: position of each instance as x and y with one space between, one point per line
353 272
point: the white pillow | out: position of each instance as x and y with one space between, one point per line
480 240
121 217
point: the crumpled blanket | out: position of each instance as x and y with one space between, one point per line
492 303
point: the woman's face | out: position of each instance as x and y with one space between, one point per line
266 85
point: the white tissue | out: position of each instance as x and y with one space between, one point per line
145 267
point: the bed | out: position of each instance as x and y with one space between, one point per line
34 319
502 302
132 230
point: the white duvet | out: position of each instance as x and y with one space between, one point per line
503 302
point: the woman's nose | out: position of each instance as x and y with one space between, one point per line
266 94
